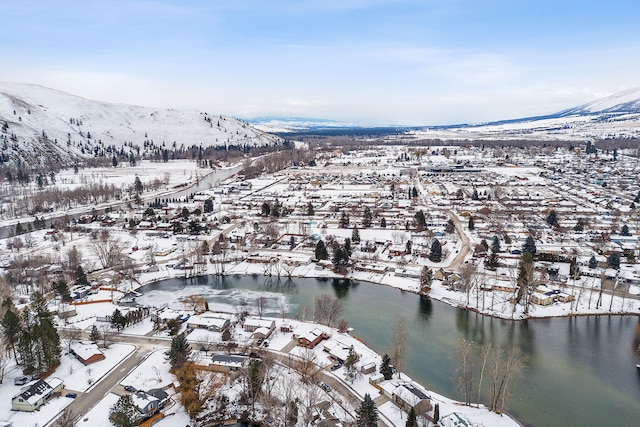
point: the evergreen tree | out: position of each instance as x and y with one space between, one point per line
208 206
292 416
412 419
492 261
614 260
355 235
266 209
62 289
436 414
124 413
367 217
495 245
344 220
367 413
179 351
310 210
471 224
475 195
137 185
95 336
39 342
526 262
385 367
340 259
529 246
426 277
625 230
321 251
254 379
414 192
81 276
383 223
276 209
11 327
421 221
350 366
408 247
435 254
118 321
485 245
592 262
552 218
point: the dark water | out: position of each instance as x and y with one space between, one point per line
581 371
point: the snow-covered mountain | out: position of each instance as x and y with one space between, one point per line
625 102
614 117
43 125
279 124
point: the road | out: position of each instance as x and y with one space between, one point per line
111 382
85 401
466 243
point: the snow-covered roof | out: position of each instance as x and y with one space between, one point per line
85 350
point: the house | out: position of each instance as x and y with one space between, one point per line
542 298
455 419
311 338
252 324
227 362
368 368
33 395
406 395
147 405
87 353
209 321
337 350
161 395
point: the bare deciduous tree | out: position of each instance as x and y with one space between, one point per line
196 303
66 418
71 335
399 349
327 309
108 249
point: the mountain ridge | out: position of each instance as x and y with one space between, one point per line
51 126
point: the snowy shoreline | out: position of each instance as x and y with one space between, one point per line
436 297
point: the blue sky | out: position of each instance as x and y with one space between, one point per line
369 62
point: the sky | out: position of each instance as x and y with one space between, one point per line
403 62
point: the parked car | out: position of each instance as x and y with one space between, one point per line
22 380
71 395
325 387
130 389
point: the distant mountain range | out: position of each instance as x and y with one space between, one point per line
41 126
614 117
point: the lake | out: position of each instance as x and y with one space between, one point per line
581 371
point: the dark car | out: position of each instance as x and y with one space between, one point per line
71 395
130 388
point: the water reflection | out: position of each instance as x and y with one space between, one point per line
341 287
425 308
